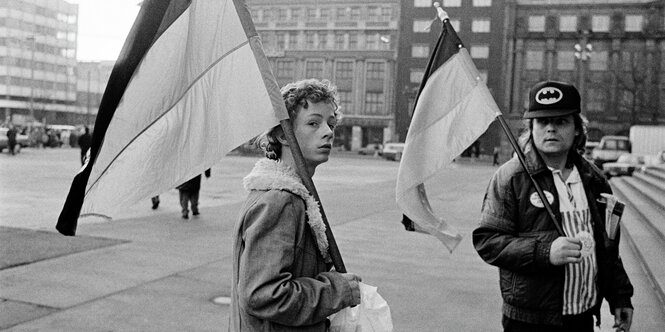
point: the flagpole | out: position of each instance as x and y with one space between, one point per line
522 159
442 15
301 168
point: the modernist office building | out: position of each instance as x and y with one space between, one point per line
480 26
352 43
37 60
611 50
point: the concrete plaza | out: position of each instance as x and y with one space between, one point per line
150 270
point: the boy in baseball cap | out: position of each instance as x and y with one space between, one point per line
552 281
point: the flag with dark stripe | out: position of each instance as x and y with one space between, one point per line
191 84
453 108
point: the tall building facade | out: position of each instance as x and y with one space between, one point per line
479 24
612 50
37 60
92 77
349 42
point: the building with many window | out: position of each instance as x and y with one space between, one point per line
37 60
611 50
351 43
479 24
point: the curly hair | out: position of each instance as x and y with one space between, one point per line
296 95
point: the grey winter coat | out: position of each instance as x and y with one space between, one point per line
281 280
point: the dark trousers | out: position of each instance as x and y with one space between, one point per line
189 197
571 323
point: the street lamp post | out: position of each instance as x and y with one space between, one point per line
87 115
583 52
32 78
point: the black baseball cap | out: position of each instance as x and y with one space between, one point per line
551 98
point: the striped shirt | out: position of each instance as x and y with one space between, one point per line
579 290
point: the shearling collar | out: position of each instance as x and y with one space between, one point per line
275 175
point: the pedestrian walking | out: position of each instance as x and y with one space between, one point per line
84 141
11 139
189 195
282 278
551 281
155 202
495 156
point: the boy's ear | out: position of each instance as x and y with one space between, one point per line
281 138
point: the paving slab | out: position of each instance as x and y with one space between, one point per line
23 246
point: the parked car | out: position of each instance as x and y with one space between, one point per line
371 149
393 151
588 149
21 140
609 149
625 165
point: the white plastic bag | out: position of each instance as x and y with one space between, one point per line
371 315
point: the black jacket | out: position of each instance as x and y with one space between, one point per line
516 236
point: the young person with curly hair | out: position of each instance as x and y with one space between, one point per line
282 278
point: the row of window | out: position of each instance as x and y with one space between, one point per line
451 3
478 25
37 65
39 47
31 8
343 70
536 23
36 29
351 40
374 102
477 51
599 60
599 23
38 84
295 14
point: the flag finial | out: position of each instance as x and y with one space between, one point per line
442 14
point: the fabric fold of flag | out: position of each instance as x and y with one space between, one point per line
191 84
453 108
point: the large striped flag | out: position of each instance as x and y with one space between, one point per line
191 83
453 108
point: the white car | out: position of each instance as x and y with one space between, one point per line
393 151
609 149
625 165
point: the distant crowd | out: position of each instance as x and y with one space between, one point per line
43 137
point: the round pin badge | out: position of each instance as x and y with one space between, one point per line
537 202
587 243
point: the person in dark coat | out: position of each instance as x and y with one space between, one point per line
553 279
11 139
84 142
189 195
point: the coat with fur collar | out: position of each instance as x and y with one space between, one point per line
281 278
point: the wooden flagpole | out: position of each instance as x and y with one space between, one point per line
301 168
522 158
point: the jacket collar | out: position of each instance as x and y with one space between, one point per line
535 163
275 175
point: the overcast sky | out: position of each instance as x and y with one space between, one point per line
103 27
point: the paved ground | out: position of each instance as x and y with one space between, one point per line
151 271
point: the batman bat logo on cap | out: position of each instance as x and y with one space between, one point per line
548 96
